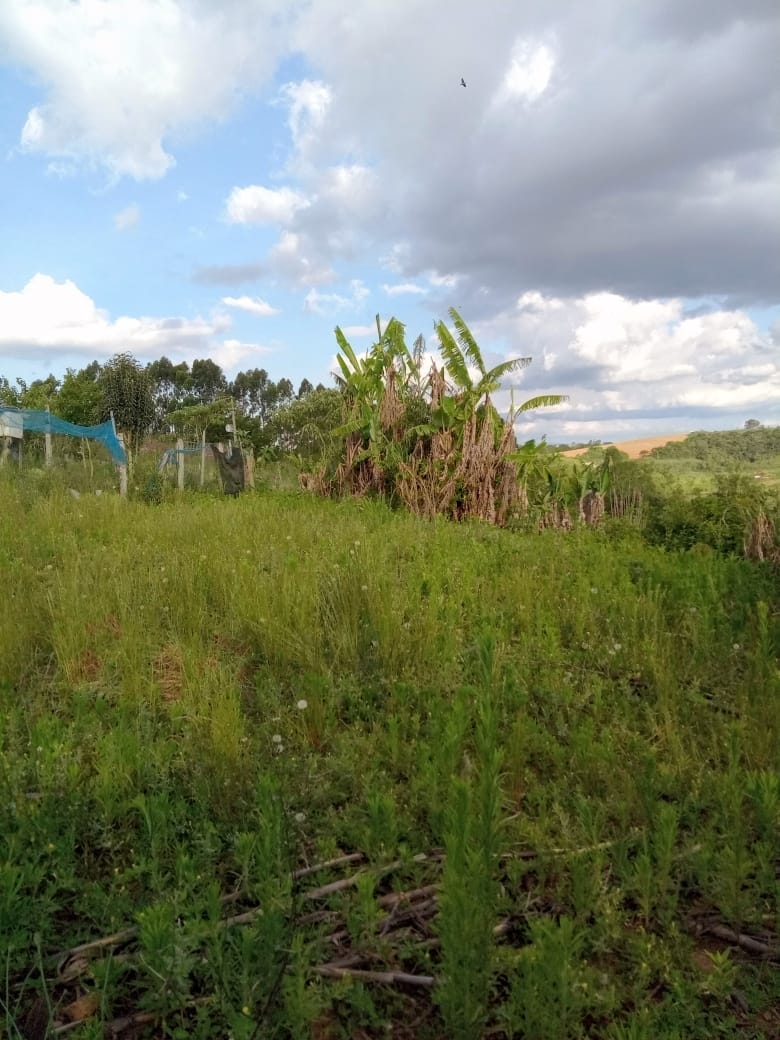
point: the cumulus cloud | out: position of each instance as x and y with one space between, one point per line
308 102
251 304
50 320
317 302
259 205
630 365
127 218
121 78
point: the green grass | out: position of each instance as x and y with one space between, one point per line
200 697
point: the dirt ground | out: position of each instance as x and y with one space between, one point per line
634 449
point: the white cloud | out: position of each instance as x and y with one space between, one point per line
528 74
258 205
632 366
122 77
308 102
230 353
330 303
51 320
181 196
251 304
404 289
127 218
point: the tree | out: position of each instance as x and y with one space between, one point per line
252 390
191 420
752 424
305 426
127 398
170 385
8 394
304 389
208 380
80 399
40 394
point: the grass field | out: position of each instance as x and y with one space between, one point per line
546 768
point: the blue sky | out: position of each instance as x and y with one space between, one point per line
232 181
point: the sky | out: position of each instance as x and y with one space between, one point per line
232 180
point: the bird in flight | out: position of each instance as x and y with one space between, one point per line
462 82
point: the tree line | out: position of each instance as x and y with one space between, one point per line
163 398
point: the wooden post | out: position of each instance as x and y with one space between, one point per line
249 468
203 457
122 467
180 464
122 470
47 438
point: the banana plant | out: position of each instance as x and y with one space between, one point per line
463 353
460 356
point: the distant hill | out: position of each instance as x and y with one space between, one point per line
635 448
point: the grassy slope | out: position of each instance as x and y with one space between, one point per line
154 756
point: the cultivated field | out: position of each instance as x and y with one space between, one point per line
635 449
303 768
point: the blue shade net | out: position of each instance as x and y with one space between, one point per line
171 455
16 421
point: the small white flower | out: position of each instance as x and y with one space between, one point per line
736 646
357 543
276 738
593 589
302 704
39 749
300 817
618 647
364 588
278 748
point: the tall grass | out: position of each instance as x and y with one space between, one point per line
199 696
